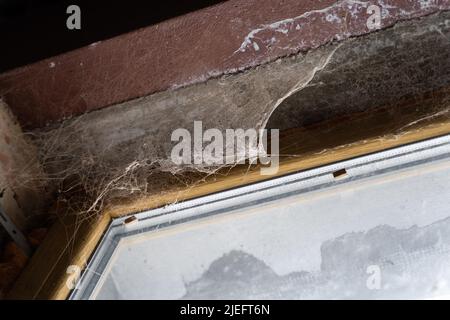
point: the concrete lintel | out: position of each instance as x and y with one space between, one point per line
222 39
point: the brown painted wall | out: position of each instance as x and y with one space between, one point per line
222 39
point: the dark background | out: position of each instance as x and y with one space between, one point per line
32 30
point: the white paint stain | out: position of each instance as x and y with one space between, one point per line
329 15
52 65
284 25
333 18
282 30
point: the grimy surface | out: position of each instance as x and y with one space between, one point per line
404 70
223 39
